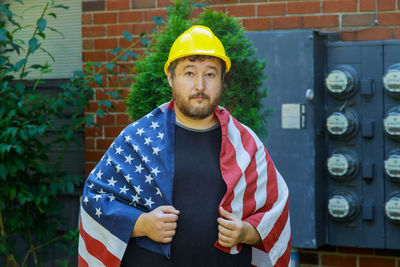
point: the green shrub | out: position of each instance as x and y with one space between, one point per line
242 89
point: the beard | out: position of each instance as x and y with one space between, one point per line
191 110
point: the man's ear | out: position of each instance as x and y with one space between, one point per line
170 79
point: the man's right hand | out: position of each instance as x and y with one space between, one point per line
159 224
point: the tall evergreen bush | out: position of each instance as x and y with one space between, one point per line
242 88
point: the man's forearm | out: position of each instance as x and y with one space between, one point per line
251 235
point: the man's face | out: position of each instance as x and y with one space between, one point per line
196 87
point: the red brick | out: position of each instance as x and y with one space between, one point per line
93 31
105 18
287 22
93 131
163 3
89 143
348 36
142 27
257 24
123 119
331 6
222 2
125 43
87 44
386 19
93 5
113 30
93 156
88 168
271 9
94 56
149 14
322 21
375 34
143 3
118 4
86 19
369 5
304 7
108 119
358 19
354 250
219 8
387 5
339 260
241 10
119 106
112 131
372 262
106 43
104 143
131 16
396 33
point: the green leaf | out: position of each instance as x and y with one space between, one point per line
19 64
3 35
62 6
3 172
98 79
57 31
110 66
116 51
100 112
41 23
13 193
158 20
131 54
53 14
33 45
127 36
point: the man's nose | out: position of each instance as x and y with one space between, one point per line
200 83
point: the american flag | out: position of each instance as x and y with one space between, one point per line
136 174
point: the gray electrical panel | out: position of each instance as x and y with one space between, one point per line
334 134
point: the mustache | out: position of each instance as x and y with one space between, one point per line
199 94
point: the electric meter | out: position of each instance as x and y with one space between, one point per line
342 81
342 165
391 122
343 206
391 80
392 208
392 166
342 124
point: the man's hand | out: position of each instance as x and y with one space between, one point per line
158 224
232 231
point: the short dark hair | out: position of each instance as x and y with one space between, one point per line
172 66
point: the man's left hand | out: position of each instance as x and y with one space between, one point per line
232 230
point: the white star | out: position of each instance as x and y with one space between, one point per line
91 185
160 135
128 177
86 200
98 212
149 115
149 179
138 189
123 189
108 161
145 159
136 148
102 158
135 198
140 131
139 168
154 125
99 174
97 197
111 197
155 171
156 150
128 138
113 143
148 202
134 124
148 141
119 150
101 191
118 168
122 132
128 159
92 172
111 181
158 192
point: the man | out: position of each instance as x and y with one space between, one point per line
186 185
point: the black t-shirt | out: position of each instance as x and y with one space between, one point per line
197 193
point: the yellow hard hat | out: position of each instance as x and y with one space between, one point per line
197 40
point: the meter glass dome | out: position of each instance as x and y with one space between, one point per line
392 123
338 206
337 81
337 123
391 80
392 208
338 165
392 166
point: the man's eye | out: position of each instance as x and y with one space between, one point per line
189 73
210 75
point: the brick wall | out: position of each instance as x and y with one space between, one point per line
104 20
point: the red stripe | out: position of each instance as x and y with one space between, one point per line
98 250
276 231
284 260
82 262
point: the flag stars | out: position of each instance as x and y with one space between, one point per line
111 197
149 202
135 199
140 131
92 172
101 191
149 115
155 171
156 150
134 124
111 181
136 148
139 168
118 150
158 192
86 200
99 174
149 179
147 141
118 167
97 197
98 212
154 125
91 185
138 189
123 189
128 159
108 161
145 159
160 135
128 177
128 138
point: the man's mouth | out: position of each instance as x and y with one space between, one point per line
199 96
